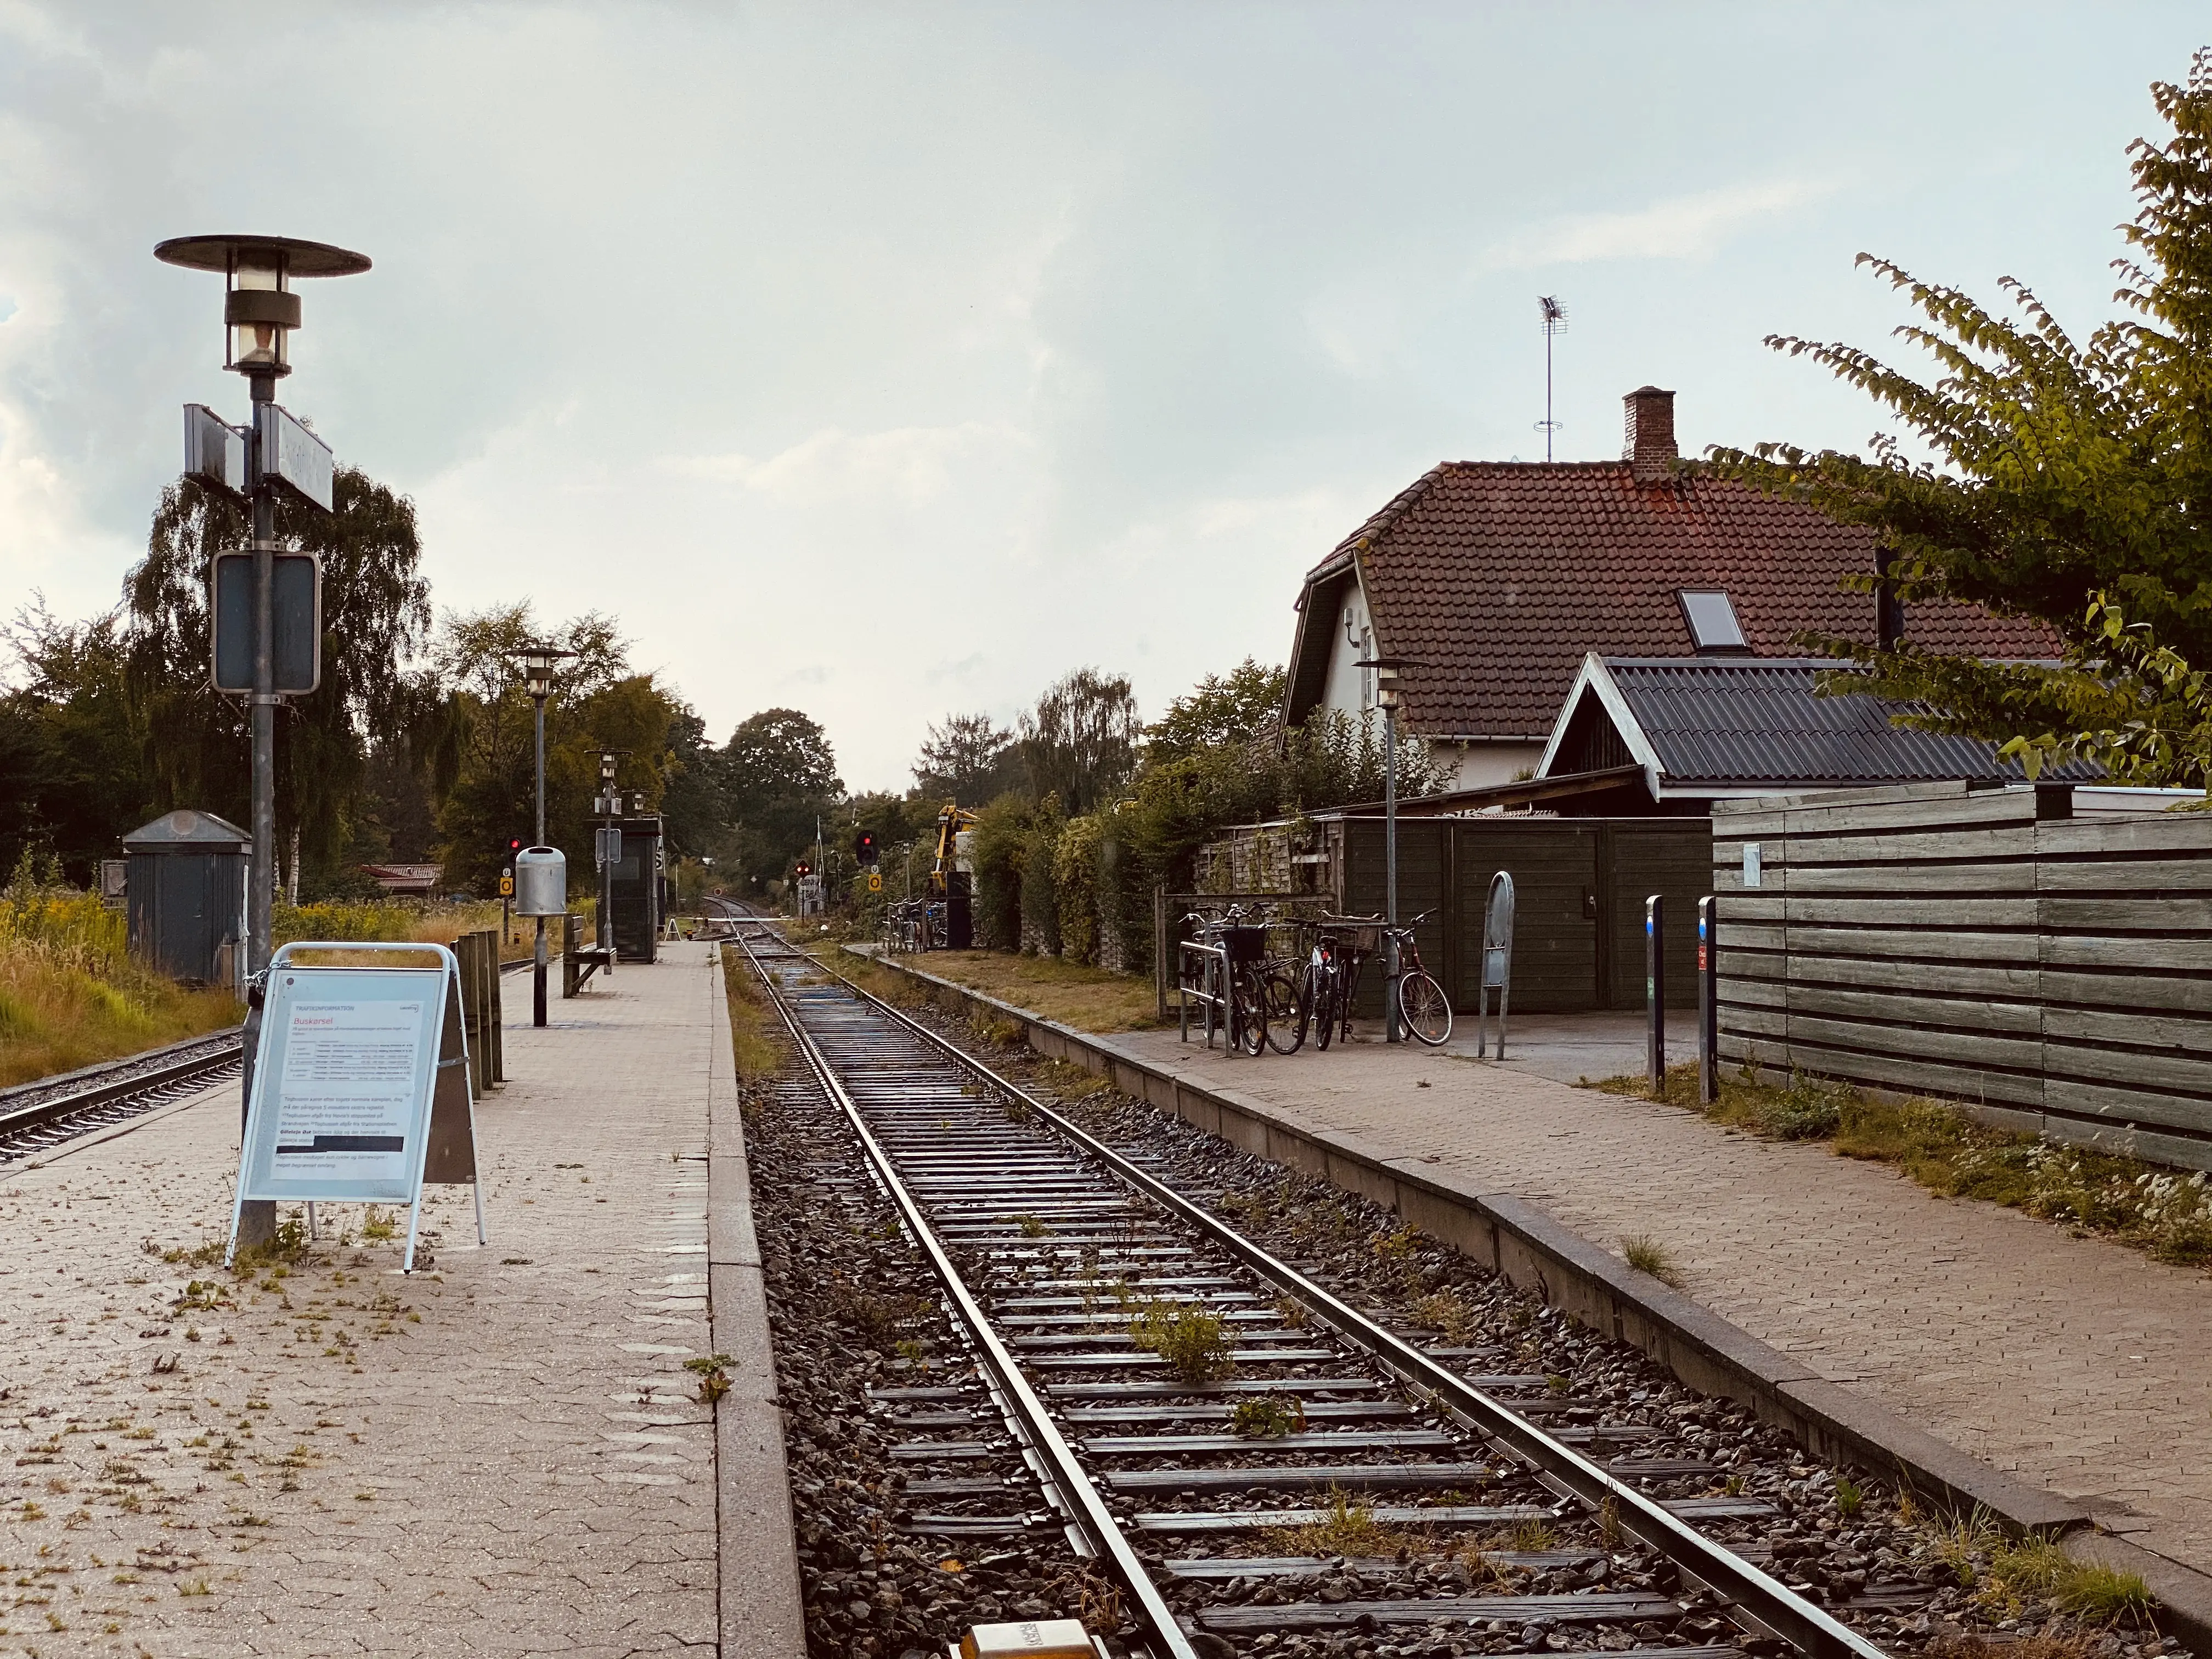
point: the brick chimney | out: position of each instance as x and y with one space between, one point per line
1650 450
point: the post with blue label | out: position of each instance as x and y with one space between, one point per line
1709 958
1654 993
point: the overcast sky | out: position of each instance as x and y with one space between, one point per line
892 360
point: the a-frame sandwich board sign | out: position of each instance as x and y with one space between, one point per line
361 1084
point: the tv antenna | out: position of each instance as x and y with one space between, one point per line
1555 323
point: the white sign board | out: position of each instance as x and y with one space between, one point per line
1751 864
295 456
346 1081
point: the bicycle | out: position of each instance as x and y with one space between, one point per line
1423 1007
1231 981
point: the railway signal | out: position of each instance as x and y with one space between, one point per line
864 848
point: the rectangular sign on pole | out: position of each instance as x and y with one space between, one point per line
352 1099
295 456
297 612
214 451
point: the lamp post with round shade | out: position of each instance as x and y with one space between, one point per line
538 661
259 312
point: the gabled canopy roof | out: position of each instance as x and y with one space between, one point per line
184 830
1502 574
1740 725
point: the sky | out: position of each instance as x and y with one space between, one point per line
888 360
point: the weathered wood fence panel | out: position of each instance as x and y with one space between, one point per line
1984 944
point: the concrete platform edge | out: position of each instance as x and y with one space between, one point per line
761 1610
1534 1249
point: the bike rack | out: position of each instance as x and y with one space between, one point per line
1211 968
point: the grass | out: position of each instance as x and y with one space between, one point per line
1346 1529
72 995
2165 1213
1268 1416
1648 1255
1194 1342
1087 999
759 1042
2038 1569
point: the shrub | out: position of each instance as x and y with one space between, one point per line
1075 888
1040 926
1000 848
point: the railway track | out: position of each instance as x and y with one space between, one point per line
35 1117
1189 1407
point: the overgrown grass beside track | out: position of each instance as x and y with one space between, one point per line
2165 1213
758 1040
1087 999
70 994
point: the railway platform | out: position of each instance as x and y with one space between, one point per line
503 1452
2079 1370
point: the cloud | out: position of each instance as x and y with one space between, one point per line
1678 227
914 463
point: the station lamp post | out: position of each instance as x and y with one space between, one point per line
538 662
248 464
1387 697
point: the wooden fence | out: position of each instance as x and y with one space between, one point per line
1982 945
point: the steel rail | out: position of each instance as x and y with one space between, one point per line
53 1107
1748 1595
1079 1497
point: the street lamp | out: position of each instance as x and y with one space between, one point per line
259 312
538 662
1386 670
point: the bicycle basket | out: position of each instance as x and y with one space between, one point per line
1245 942
1366 939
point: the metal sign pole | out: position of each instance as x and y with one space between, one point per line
1655 993
1708 1057
537 962
1390 1030
257 1221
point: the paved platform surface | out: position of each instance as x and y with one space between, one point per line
2076 1365
500 1455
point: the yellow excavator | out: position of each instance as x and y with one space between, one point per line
951 884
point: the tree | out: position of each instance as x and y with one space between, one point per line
67 750
1245 703
780 776
2064 472
1080 742
376 614
966 758
2133 706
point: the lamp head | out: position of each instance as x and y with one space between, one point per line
259 310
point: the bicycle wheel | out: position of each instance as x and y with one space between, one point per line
1423 1007
1323 994
1286 1011
1251 999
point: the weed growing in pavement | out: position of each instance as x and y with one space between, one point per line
1268 1416
2165 1213
1193 1341
1648 1255
1849 1497
1959 1542
1346 1529
377 1224
713 1377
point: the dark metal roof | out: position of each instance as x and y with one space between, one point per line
1738 722
185 828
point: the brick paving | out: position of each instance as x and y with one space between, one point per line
2075 1364
501 1455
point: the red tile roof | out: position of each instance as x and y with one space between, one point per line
1502 575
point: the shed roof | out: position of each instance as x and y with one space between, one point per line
186 830
1741 724
1501 575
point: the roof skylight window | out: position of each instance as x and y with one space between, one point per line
1710 615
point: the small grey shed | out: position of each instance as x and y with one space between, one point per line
186 896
